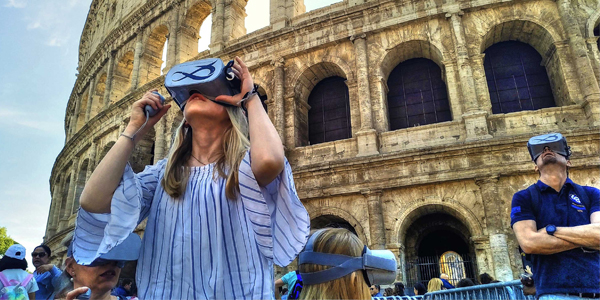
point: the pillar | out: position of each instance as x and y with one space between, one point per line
279 102
58 186
367 136
75 115
109 78
494 212
398 250
159 142
376 227
483 255
474 118
91 91
594 53
289 116
72 188
283 11
217 42
137 59
173 52
583 67
92 160
234 13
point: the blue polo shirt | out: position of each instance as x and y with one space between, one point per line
572 271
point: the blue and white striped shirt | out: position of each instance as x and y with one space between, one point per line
203 246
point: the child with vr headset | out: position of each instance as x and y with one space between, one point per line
221 208
335 264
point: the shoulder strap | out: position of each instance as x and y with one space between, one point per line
27 280
4 280
535 193
583 196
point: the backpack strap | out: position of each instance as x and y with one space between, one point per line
583 196
4 280
27 280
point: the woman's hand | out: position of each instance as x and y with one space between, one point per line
44 268
138 116
241 71
76 292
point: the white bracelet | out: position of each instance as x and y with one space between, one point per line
129 137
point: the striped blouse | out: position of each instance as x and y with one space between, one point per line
204 246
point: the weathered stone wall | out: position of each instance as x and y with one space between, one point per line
380 182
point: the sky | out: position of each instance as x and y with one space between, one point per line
39 44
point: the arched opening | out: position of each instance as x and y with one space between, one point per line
257 16
64 210
80 184
154 56
83 101
326 221
143 153
56 201
195 32
516 79
417 94
438 243
122 77
329 113
262 94
204 37
98 96
597 34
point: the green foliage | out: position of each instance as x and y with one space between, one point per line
5 241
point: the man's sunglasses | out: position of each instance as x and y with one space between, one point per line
38 254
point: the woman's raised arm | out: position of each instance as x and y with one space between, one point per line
98 191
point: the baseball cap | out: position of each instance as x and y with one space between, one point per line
16 251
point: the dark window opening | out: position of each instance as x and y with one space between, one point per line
417 94
516 79
329 114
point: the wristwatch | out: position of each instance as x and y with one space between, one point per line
550 229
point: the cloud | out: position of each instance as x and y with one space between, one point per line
15 3
32 120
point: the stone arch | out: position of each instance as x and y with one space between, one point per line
189 30
543 39
105 150
153 52
80 182
408 50
98 95
315 212
592 22
327 65
56 196
122 76
421 208
83 101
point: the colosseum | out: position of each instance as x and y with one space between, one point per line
404 120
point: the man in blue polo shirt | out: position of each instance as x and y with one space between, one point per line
558 223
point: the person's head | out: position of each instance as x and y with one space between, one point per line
374 289
234 125
101 279
444 276
549 152
388 292
435 284
465 282
399 289
14 258
351 286
420 289
127 283
41 255
485 278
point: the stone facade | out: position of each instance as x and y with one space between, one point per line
394 187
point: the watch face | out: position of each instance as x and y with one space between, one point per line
550 229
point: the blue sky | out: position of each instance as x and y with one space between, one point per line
39 44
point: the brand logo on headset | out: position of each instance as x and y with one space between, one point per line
548 138
210 67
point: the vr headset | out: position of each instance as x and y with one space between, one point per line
378 266
555 141
209 77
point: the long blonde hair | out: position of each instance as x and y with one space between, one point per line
435 284
351 286
235 144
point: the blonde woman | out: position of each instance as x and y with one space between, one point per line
221 208
351 286
435 284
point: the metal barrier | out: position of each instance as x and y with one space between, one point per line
399 298
510 290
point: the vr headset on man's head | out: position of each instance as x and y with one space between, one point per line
209 77
378 266
555 141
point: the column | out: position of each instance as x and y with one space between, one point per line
90 100
376 227
159 141
234 13
75 115
289 116
494 212
282 11
594 54
137 59
72 188
474 117
483 255
398 250
217 41
367 136
58 186
92 160
109 79
172 54
279 90
583 67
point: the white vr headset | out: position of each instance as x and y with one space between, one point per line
378 266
